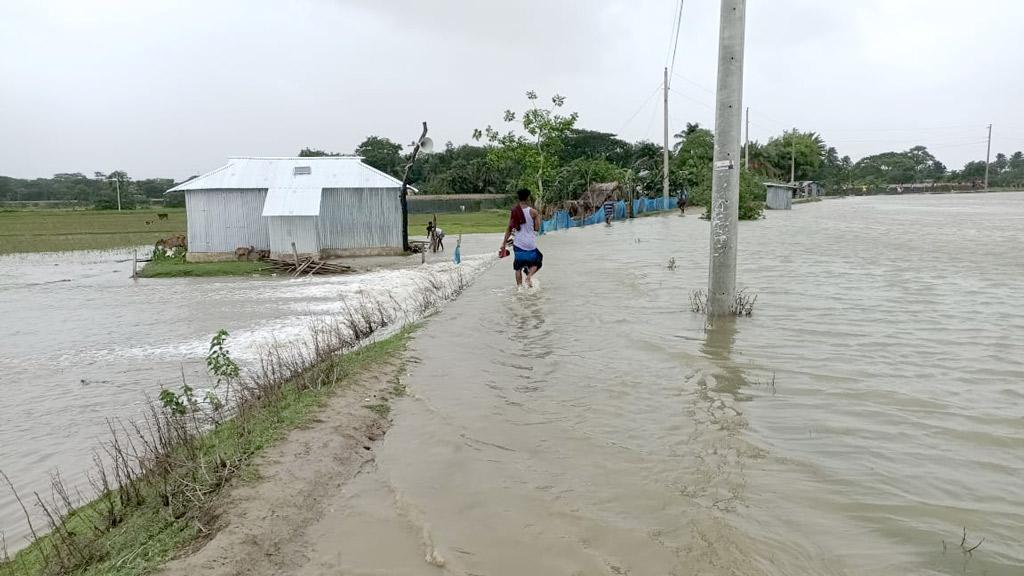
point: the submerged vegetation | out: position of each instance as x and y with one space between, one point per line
156 479
743 304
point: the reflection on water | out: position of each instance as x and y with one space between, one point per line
869 410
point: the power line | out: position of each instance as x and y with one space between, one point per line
675 43
641 108
691 99
701 86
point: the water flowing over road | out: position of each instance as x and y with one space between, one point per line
870 410
81 343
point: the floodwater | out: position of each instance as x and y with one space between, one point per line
81 343
869 411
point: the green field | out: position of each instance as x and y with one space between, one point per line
174 269
61 230
454 223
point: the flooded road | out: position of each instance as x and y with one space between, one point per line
80 342
869 411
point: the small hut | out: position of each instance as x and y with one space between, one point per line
779 196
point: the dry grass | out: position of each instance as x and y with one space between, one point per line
743 304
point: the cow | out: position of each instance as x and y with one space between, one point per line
243 252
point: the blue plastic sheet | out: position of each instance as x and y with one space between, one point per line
561 219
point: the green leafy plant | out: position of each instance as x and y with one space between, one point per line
536 152
224 370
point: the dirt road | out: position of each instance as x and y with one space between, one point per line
262 524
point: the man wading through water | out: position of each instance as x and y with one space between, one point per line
524 222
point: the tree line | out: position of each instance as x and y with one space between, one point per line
99 190
543 148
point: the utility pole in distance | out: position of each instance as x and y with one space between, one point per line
725 180
988 152
746 143
792 157
664 159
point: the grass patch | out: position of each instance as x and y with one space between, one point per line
164 504
455 223
63 230
381 409
175 269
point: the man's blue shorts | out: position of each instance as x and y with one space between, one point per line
527 259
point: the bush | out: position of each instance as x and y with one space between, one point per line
108 201
174 200
752 197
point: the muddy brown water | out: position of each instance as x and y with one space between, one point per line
81 343
870 409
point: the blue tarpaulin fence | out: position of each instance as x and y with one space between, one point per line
561 219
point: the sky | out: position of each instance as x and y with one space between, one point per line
165 88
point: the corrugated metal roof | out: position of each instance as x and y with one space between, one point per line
280 173
292 202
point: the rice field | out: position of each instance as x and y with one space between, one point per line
62 230
55 230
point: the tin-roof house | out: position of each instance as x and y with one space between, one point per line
320 206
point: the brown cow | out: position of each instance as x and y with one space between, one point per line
243 252
172 242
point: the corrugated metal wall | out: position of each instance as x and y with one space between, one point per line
222 220
298 229
360 218
779 198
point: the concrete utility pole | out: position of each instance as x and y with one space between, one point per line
746 143
725 181
988 152
664 159
792 158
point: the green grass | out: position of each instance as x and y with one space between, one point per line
148 534
455 223
177 269
61 230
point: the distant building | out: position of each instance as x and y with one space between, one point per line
779 196
809 189
325 206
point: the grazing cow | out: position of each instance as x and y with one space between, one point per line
177 241
162 216
243 252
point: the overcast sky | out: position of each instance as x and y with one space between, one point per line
171 88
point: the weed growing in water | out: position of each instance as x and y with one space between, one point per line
743 304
